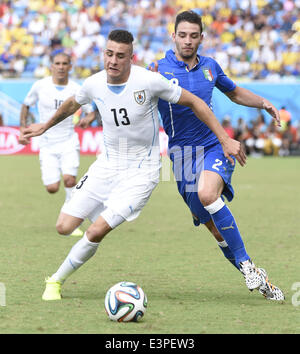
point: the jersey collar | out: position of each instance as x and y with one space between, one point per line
171 56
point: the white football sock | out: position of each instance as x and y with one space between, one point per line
81 252
68 193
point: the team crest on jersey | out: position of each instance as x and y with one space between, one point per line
208 74
140 96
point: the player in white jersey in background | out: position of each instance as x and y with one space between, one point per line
59 147
119 183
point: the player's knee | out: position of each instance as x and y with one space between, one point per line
69 181
96 232
63 229
207 197
52 188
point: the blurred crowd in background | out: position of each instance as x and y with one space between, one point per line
251 40
265 139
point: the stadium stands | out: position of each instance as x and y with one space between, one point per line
252 39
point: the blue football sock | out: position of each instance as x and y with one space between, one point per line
227 252
227 227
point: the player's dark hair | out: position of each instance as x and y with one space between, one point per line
53 56
121 36
189 16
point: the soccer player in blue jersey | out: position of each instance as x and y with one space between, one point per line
202 172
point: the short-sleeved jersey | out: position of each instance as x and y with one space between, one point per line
180 123
48 98
130 117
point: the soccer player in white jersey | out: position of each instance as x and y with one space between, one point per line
119 183
59 147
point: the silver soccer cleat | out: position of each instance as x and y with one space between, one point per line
253 277
268 290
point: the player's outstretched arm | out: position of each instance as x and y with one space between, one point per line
23 119
202 111
69 107
244 97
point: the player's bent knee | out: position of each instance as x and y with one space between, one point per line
69 182
66 223
52 188
63 229
207 198
96 231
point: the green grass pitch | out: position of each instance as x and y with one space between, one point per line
190 286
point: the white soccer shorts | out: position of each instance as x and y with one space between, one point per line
111 194
59 159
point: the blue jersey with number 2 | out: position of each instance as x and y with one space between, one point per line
192 145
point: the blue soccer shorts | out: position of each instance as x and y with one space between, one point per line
188 163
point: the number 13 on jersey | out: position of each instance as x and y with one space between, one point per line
120 116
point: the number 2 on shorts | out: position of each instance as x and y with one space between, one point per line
217 164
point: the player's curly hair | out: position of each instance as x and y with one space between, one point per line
189 16
121 36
